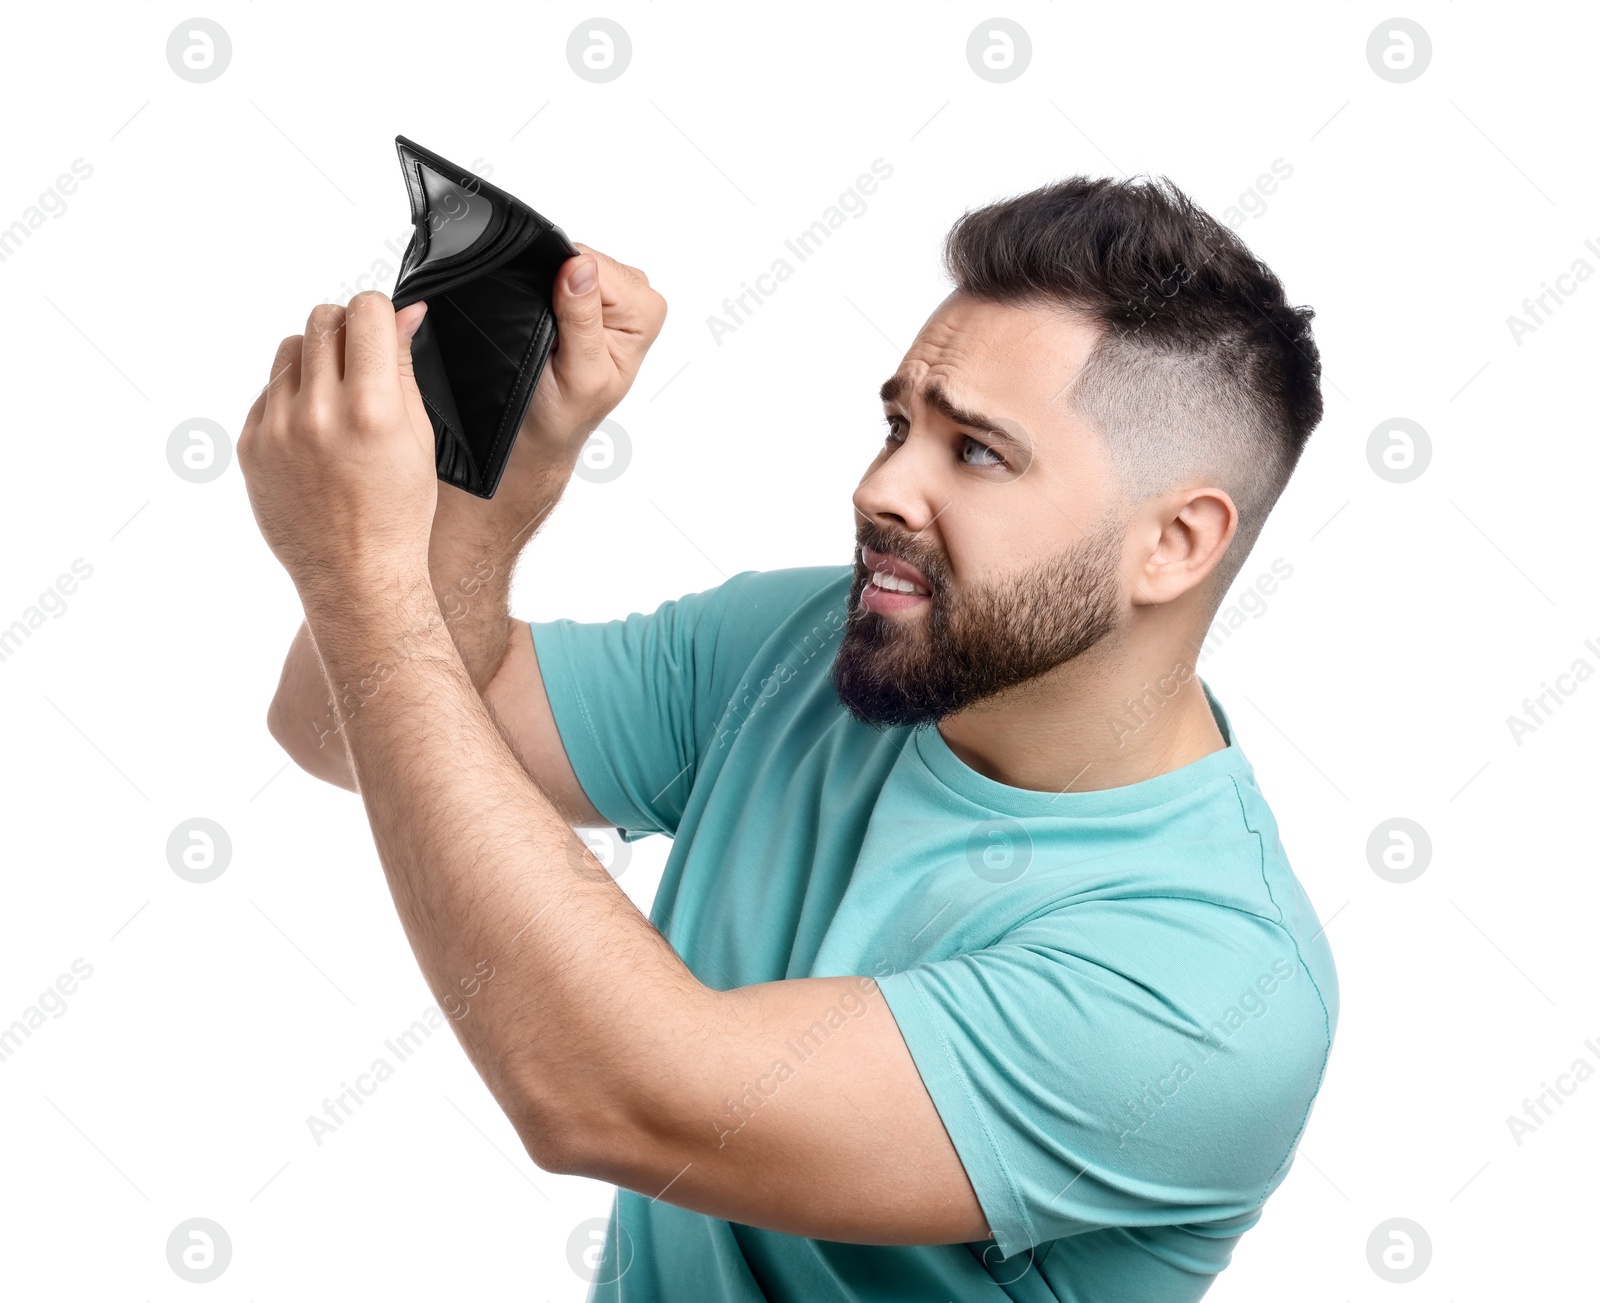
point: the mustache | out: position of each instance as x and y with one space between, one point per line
909 548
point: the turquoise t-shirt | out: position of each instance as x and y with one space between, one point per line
1120 1001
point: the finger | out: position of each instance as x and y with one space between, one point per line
580 328
372 342
409 319
244 446
285 375
618 281
406 323
634 311
258 410
322 355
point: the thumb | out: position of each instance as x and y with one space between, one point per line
580 331
407 322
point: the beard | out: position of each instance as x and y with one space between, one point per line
971 642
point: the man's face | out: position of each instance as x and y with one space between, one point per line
995 505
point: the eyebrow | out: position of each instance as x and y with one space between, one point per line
895 387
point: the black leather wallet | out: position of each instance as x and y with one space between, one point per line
486 263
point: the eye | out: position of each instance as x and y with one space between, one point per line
895 424
987 456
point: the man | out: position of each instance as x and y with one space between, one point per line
978 969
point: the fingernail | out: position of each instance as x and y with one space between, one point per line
581 281
410 331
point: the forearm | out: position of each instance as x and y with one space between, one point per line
473 550
561 992
471 555
305 716
606 1053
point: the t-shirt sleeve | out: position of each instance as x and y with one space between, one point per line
637 700
1119 1063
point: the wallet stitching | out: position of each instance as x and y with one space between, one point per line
418 194
465 448
539 333
477 472
493 451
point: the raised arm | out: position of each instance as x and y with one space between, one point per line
605 1051
603 334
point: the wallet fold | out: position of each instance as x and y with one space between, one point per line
486 264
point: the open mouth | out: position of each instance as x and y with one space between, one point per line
892 584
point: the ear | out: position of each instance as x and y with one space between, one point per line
1192 529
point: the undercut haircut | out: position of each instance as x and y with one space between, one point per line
1202 368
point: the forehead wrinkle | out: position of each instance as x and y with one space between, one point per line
935 396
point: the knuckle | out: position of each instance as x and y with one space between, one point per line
318 417
283 362
368 411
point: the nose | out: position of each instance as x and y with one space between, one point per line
899 489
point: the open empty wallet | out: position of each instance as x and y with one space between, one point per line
486 264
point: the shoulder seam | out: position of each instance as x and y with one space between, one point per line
1327 1028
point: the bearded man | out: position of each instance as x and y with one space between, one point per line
978 969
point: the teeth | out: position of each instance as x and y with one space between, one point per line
893 583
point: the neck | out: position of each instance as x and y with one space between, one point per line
1118 714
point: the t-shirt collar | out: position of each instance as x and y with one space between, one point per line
965 781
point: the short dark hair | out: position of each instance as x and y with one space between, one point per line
1202 367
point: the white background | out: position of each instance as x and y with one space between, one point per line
1377 683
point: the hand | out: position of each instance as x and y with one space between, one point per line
337 452
602 335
